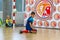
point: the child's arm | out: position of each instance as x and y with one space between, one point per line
11 21
31 25
6 21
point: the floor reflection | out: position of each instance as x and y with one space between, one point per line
42 34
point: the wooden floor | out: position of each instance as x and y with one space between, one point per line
42 34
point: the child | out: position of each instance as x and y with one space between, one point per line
9 22
29 24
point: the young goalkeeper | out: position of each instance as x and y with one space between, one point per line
29 24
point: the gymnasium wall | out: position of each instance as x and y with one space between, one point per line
1 8
47 13
19 19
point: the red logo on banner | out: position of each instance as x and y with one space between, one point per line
31 1
44 9
59 24
34 23
28 8
40 23
56 16
46 23
53 24
25 15
26 1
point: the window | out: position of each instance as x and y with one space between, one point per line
20 5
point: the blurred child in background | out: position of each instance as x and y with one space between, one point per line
9 22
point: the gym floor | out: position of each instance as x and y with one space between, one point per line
42 34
